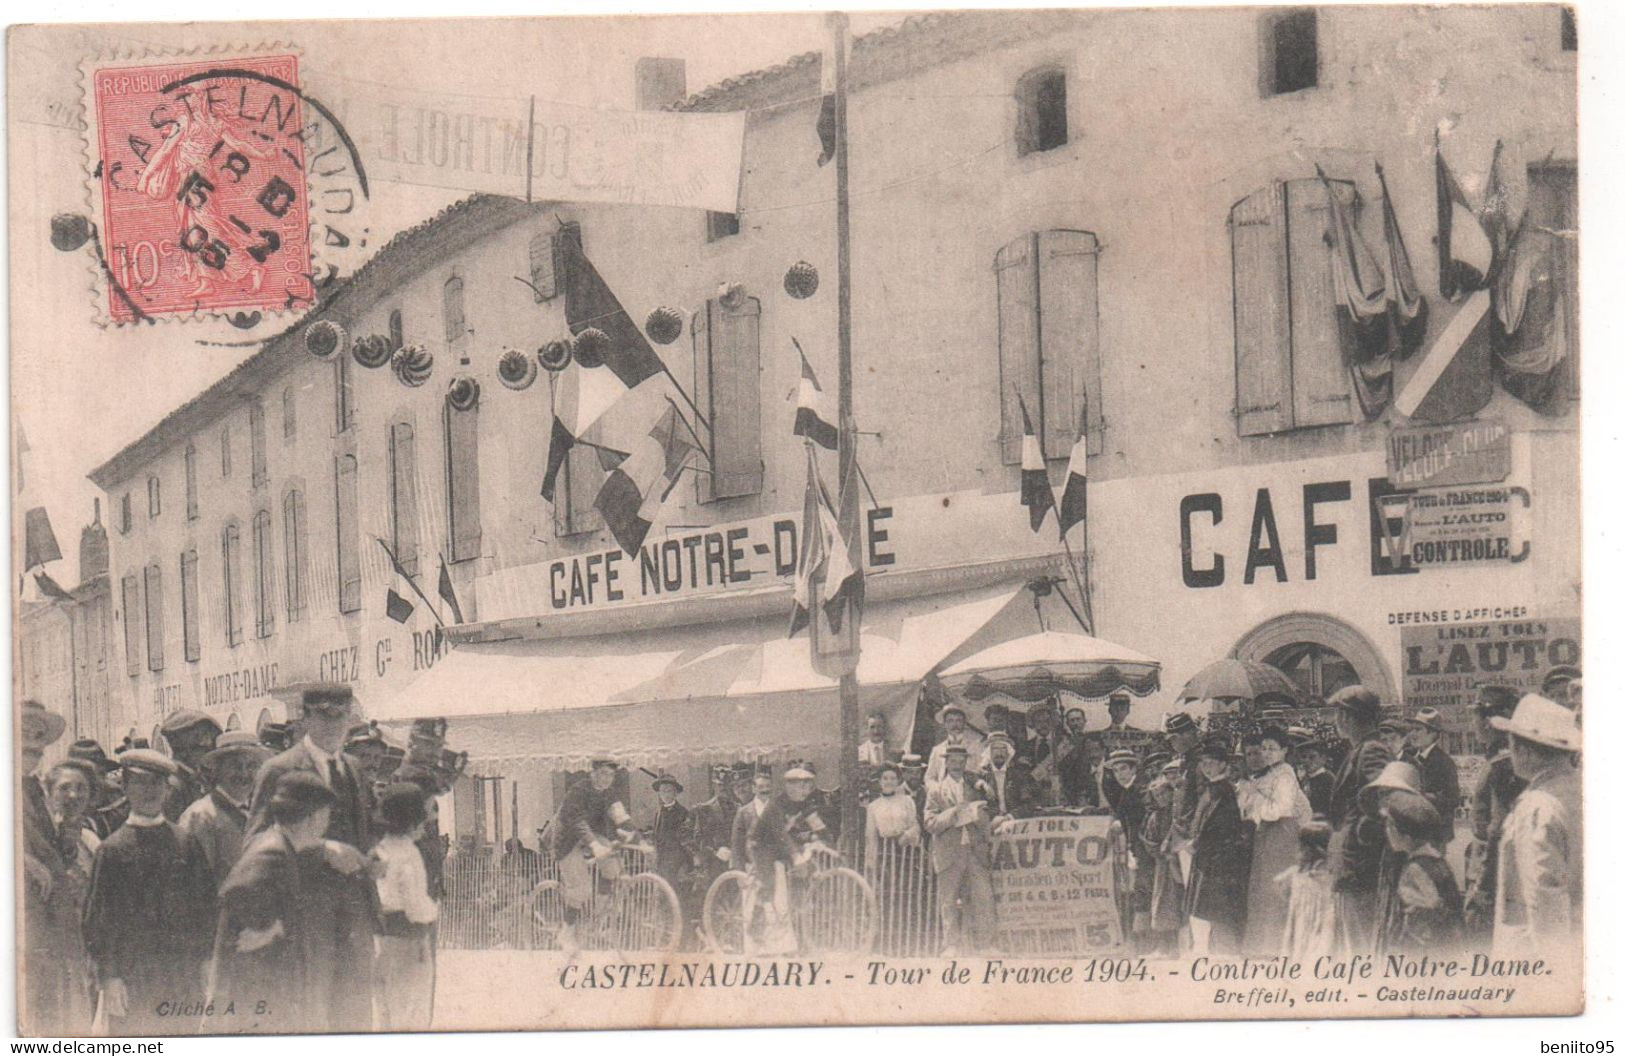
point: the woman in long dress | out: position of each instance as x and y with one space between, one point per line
1273 801
67 790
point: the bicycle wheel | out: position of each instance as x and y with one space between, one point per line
837 913
546 915
647 914
722 916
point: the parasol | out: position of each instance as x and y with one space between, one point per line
1041 665
1232 679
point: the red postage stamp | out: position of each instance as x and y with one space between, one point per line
200 168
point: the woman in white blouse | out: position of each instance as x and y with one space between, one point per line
1269 797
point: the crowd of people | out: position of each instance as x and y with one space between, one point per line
238 883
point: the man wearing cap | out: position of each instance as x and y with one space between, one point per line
1555 686
190 735
956 816
1440 783
1185 741
1221 855
143 923
711 835
44 869
1357 837
211 830
590 820
1118 706
1540 871
1498 788
1014 792
327 714
955 734
670 832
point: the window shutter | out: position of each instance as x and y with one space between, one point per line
1321 389
1015 269
543 273
264 576
403 494
1263 339
1069 336
463 481
191 482
293 543
231 578
155 618
456 321
131 601
191 643
580 482
728 357
349 553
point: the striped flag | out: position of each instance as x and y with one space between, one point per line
814 550
826 107
1074 508
585 391
814 418
1465 251
1407 308
631 495
448 593
1035 490
843 578
1362 307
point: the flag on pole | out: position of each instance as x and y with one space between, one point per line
1362 306
826 107
843 578
1035 490
1496 214
1074 508
448 593
814 549
50 587
632 494
585 391
814 417
1465 250
398 608
39 542
1407 308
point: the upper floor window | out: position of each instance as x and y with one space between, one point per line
225 450
544 256
294 546
347 532
403 495
126 520
190 639
397 330
264 577
1290 370
290 414
343 395
155 618
130 602
1291 52
575 507
456 321
720 225
231 577
1049 340
463 481
191 482
155 499
256 442
728 385
1041 111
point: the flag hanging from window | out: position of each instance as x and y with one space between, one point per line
39 541
1407 308
585 391
1496 214
1465 250
1035 490
1362 306
1528 337
398 608
826 106
1074 508
632 494
815 419
448 593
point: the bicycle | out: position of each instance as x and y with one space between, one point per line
832 907
635 910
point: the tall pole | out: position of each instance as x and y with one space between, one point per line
838 28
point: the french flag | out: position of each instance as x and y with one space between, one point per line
1074 508
814 419
1035 490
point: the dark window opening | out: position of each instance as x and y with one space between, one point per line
1041 114
1291 52
720 225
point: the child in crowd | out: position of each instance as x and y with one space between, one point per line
1427 906
1311 930
405 977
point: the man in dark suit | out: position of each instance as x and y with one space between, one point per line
328 713
1358 837
190 735
1317 781
1221 857
712 823
746 816
670 832
1084 774
1013 792
1440 784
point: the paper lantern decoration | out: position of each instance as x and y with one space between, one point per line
592 345
516 370
412 365
325 339
801 281
731 295
665 325
555 356
69 231
372 351
464 394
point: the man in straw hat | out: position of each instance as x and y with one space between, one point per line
956 816
1539 883
43 871
1440 782
956 732
211 830
1357 836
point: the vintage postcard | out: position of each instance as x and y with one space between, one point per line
794 519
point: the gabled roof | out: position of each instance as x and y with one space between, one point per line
892 53
403 257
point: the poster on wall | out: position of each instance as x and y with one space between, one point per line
1055 886
1445 664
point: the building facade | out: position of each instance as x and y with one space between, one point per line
1020 233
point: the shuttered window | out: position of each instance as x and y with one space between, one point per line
397 330
347 531
456 320
544 265
293 553
343 395
575 510
403 495
463 481
130 601
155 618
290 414
191 640
1289 360
191 482
256 443
728 384
264 576
231 578
1049 340
225 450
